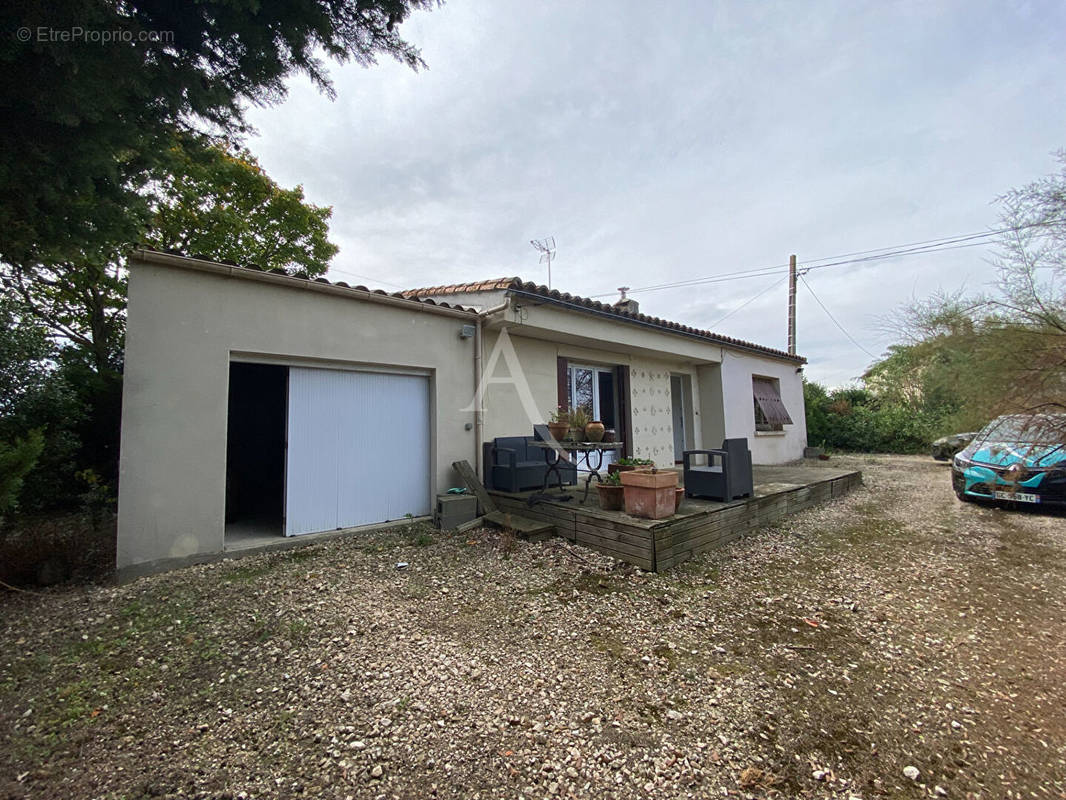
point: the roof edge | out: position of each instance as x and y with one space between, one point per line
587 305
280 278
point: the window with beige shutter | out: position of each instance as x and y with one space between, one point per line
770 411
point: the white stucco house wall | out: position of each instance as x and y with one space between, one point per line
257 403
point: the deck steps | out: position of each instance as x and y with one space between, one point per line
534 530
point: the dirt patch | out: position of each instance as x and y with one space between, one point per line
895 628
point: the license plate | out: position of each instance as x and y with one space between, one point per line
1021 497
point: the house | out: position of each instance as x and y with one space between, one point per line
258 403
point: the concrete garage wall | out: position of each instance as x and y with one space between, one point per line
739 408
505 414
182 328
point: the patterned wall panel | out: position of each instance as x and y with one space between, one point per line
653 431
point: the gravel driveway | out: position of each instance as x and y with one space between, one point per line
893 643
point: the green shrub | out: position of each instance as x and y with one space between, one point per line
854 419
16 460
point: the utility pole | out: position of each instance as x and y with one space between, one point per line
792 305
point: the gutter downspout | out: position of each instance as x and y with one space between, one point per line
479 414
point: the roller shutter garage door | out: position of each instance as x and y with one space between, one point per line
358 449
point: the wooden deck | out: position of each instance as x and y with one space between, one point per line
699 525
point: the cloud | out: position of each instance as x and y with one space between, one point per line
665 143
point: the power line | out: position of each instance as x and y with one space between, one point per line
829 314
365 277
747 302
943 243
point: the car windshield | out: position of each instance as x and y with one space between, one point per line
1039 429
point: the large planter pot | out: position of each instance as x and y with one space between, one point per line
612 468
650 494
610 496
559 430
594 431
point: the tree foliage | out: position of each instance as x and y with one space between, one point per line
1003 351
84 123
964 359
38 398
220 203
857 419
213 201
16 460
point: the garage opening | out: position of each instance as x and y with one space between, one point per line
255 452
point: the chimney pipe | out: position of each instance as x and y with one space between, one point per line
627 305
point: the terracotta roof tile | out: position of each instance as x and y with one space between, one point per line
585 303
492 285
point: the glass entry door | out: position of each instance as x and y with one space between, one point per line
594 389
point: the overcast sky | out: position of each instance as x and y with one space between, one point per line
663 142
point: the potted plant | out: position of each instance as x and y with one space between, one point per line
579 418
649 493
559 423
626 464
611 491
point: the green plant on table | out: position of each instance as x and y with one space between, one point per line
560 415
579 418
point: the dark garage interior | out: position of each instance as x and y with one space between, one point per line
255 449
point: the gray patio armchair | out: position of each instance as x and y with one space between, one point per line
726 476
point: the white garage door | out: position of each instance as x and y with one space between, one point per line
358 449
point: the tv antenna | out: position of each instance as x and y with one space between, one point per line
546 247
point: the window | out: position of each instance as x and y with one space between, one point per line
770 412
593 388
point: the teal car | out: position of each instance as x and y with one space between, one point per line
1018 458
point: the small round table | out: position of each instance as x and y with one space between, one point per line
556 452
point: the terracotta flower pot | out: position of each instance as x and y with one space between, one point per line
576 434
610 435
610 496
594 431
650 478
559 430
650 494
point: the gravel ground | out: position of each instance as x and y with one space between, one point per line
894 643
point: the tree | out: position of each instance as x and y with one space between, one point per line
92 93
16 461
37 403
1000 352
1026 318
214 202
221 203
